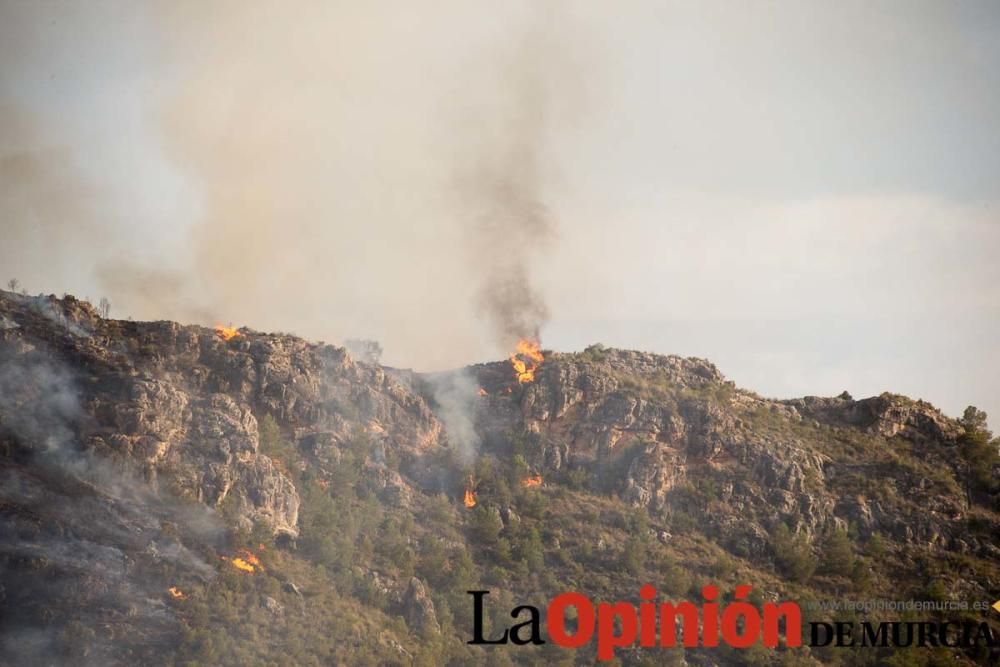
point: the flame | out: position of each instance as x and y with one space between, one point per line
527 357
470 496
246 561
483 392
529 482
252 558
226 333
241 564
176 593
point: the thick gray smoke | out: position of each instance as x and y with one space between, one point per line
338 171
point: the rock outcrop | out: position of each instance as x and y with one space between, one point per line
418 609
179 404
671 434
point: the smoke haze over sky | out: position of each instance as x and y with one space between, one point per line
805 193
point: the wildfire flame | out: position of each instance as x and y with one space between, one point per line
247 561
483 392
470 496
529 482
527 357
176 593
226 333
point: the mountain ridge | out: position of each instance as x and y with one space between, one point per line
209 442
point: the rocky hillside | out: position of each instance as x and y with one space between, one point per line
655 429
179 495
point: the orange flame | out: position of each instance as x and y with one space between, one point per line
226 333
525 359
470 496
483 392
176 593
241 564
530 482
246 561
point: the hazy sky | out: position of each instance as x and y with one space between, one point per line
805 193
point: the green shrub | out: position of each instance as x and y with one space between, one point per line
792 554
837 554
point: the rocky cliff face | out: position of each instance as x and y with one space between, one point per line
681 439
179 404
144 423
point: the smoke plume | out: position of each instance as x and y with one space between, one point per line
366 171
456 395
502 189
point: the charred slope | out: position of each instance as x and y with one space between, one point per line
141 456
131 454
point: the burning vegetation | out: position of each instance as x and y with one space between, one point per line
226 333
469 499
247 561
176 593
525 359
531 482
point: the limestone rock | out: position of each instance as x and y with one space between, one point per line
418 608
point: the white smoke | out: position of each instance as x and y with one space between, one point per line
457 395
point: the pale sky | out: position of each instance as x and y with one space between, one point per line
805 193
